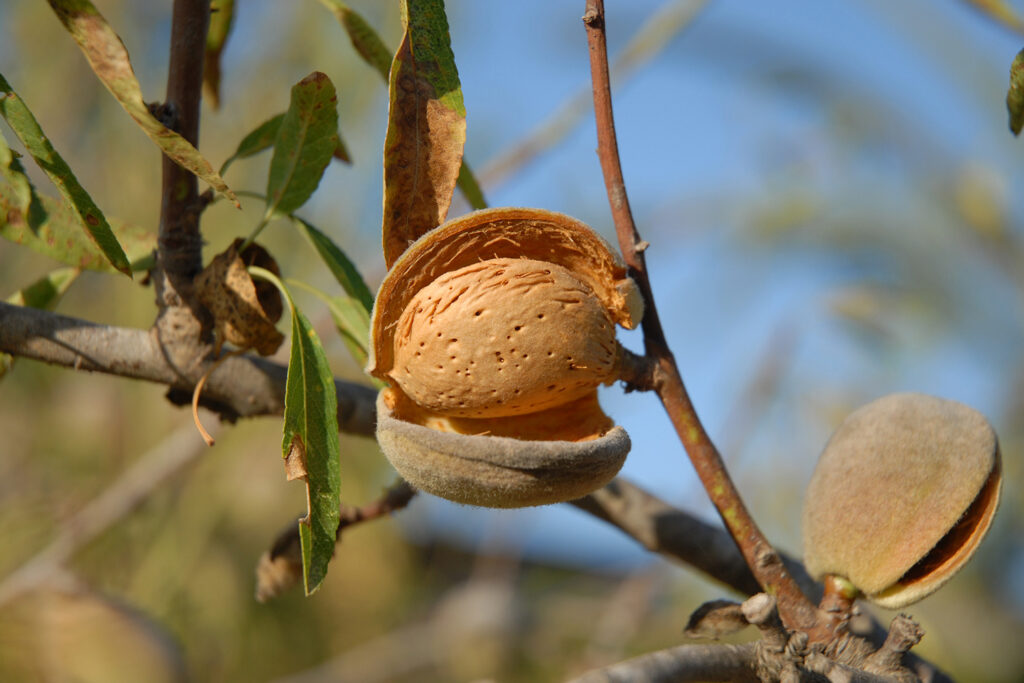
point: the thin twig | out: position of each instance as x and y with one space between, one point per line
797 611
125 494
682 664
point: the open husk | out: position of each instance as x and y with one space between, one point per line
494 332
901 497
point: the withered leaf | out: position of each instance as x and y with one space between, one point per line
716 619
244 311
109 60
426 129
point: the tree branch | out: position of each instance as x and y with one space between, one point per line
243 386
668 531
181 322
797 611
681 664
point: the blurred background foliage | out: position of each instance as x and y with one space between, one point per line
836 212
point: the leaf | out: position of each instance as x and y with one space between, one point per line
109 60
255 142
311 433
353 323
20 192
1015 95
53 229
306 139
222 16
44 293
263 138
244 311
343 269
368 44
470 187
364 39
426 129
25 126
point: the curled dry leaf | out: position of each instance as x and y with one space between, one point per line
716 619
494 331
901 497
244 310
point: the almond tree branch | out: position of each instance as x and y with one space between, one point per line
682 664
180 322
243 386
797 611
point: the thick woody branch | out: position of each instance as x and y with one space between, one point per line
764 562
242 386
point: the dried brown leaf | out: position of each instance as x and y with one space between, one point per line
244 311
716 619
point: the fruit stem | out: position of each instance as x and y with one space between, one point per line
794 607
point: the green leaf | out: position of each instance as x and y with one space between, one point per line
44 294
310 444
263 137
353 323
255 142
1015 95
25 126
305 141
470 187
368 44
364 39
222 16
109 60
340 265
53 229
426 129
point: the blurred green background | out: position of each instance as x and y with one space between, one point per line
836 210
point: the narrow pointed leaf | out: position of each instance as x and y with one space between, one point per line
1015 95
222 16
470 187
44 293
364 39
368 44
306 139
426 129
263 137
340 265
310 442
25 126
52 228
353 323
109 59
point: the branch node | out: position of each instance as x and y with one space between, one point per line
641 246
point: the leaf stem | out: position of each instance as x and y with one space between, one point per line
764 562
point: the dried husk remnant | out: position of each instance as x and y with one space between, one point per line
494 331
901 497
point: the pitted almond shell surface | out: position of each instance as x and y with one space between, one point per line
901 497
548 342
497 471
500 233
